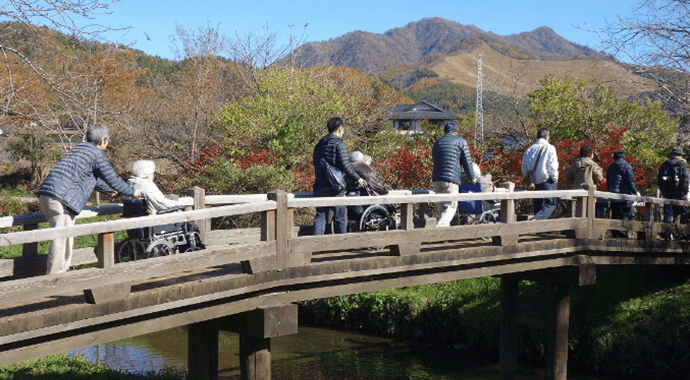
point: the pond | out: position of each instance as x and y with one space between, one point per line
317 353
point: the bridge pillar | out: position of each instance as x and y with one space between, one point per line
508 337
255 327
558 325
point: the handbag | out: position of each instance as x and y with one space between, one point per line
335 177
528 182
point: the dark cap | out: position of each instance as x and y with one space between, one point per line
450 126
677 151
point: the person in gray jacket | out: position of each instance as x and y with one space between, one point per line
68 186
450 152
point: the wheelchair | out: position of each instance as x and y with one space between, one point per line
477 212
155 241
369 218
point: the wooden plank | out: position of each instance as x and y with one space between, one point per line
25 289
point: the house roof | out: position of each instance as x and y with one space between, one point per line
422 110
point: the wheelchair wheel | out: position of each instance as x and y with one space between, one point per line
487 217
130 250
194 242
159 248
376 218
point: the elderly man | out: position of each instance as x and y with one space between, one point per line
450 153
69 185
541 161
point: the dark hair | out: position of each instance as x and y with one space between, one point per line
543 133
334 123
585 151
619 154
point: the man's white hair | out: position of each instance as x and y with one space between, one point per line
143 169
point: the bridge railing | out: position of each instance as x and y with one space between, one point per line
278 245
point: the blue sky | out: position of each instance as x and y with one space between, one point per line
326 20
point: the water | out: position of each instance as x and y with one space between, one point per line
316 353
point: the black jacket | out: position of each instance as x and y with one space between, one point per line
683 174
334 150
449 153
619 178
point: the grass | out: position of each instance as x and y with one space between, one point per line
63 367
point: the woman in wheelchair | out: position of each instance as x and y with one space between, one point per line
157 240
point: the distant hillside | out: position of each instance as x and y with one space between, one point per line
375 53
518 77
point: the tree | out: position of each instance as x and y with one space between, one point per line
656 37
586 110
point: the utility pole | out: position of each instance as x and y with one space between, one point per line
479 110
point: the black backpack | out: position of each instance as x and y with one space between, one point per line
669 177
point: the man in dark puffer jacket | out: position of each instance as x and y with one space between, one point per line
333 149
620 180
449 153
68 186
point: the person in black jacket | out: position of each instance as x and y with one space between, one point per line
674 179
450 152
620 180
68 186
332 148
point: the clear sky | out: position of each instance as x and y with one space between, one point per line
327 19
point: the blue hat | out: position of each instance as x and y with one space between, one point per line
450 126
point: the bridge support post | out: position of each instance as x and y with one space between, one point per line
202 351
558 325
508 336
255 327
406 248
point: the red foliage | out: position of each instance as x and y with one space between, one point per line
254 157
407 168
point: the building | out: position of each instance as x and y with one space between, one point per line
408 118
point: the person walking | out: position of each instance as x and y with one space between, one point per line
540 161
584 170
674 180
450 153
332 150
69 185
620 180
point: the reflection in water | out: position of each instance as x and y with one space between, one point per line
314 353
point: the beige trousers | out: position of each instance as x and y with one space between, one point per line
60 252
446 210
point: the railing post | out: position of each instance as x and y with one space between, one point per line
510 234
651 229
199 195
105 253
585 207
406 248
29 249
283 227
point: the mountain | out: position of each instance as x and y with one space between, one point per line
375 53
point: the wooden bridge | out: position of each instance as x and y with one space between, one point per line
248 280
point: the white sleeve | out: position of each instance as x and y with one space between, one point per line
156 198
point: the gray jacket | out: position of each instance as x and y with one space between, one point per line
73 179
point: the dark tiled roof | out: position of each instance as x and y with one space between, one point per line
422 110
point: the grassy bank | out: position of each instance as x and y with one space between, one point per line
633 322
63 367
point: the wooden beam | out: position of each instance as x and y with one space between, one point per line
557 351
508 339
202 351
